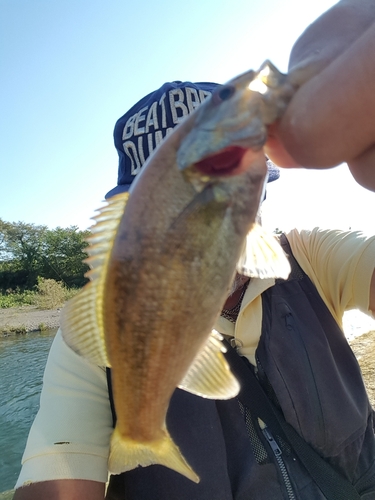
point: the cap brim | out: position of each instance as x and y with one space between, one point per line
273 171
121 188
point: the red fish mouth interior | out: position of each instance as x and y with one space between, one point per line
222 163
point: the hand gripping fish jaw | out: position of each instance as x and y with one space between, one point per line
234 120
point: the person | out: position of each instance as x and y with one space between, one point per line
67 449
330 119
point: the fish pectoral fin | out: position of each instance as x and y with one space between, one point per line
209 376
126 454
262 256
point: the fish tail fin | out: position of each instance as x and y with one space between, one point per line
127 454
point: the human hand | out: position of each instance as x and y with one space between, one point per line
331 118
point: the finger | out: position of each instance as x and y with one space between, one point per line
276 151
330 119
363 169
332 33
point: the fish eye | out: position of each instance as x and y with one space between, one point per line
225 93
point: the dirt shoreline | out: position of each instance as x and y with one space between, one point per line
16 320
364 349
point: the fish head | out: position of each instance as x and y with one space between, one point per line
233 121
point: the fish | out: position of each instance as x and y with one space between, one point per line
162 259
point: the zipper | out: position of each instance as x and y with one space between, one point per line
280 462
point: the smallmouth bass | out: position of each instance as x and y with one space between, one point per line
162 260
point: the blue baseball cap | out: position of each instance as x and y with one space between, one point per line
139 131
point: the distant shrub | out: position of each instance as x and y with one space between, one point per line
51 294
16 299
69 293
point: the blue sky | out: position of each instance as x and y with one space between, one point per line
70 68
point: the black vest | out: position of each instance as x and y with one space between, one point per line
308 369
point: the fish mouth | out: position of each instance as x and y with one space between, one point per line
225 162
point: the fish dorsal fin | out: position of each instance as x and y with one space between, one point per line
82 317
262 256
209 376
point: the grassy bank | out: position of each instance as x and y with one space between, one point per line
37 310
49 294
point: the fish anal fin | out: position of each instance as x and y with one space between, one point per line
126 454
209 376
262 256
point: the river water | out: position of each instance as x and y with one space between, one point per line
22 362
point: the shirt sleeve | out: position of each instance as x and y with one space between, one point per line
339 263
70 436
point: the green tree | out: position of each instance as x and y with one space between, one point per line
28 251
21 247
64 253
